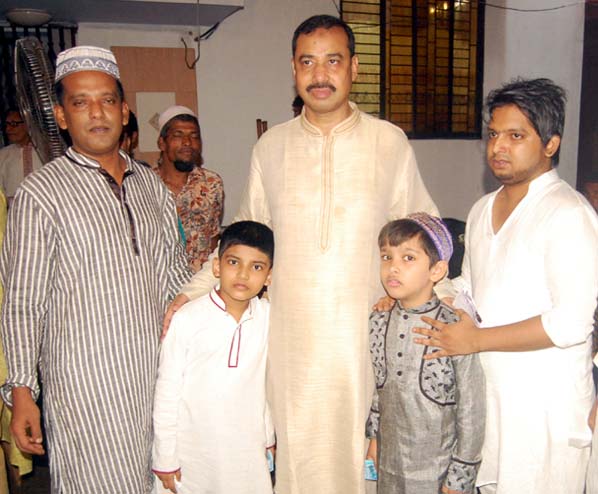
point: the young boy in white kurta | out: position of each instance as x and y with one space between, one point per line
426 424
211 419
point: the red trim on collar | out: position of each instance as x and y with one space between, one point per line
236 338
217 300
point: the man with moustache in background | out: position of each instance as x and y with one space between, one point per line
198 192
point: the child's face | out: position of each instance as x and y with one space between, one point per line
406 273
243 272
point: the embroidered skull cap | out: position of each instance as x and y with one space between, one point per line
437 231
83 58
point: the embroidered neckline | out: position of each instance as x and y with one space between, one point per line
420 309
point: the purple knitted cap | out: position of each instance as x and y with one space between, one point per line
437 231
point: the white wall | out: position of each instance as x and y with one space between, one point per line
244 73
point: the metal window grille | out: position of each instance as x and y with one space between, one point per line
420 63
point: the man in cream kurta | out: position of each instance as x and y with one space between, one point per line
326 182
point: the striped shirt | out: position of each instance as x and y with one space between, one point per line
88 267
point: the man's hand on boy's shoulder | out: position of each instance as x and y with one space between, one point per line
175 305
385 304
169 479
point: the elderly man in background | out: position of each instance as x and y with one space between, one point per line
198 192
19 158
90 260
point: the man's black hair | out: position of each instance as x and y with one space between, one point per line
59 89
132 125
308 26
540 100
178 118
11 109
590 176
396 232
249 233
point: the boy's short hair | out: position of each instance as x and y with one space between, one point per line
251 234
423 226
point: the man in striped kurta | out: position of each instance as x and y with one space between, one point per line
90 259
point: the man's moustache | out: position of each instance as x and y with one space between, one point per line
320 86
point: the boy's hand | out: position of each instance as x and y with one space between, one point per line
446 490
272 459
167 479
372 453
384 304
175 305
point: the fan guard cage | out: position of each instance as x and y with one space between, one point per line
34 81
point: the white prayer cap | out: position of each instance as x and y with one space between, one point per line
170 113
82 58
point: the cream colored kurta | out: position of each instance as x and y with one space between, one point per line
326 198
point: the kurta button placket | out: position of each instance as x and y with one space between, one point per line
235 348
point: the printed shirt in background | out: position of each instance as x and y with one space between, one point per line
200 206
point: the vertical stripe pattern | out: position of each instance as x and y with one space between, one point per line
87 276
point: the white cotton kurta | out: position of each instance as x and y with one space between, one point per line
326 198
543 261
211 418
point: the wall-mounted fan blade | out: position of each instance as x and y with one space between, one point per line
34 81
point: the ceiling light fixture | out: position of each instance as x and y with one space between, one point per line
28 17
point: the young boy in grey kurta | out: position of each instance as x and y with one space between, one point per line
426 424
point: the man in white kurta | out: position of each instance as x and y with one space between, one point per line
542 261
210 416
531 264
325 182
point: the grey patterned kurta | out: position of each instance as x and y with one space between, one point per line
88 268
428 416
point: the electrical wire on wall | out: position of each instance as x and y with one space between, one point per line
547 9
198 39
